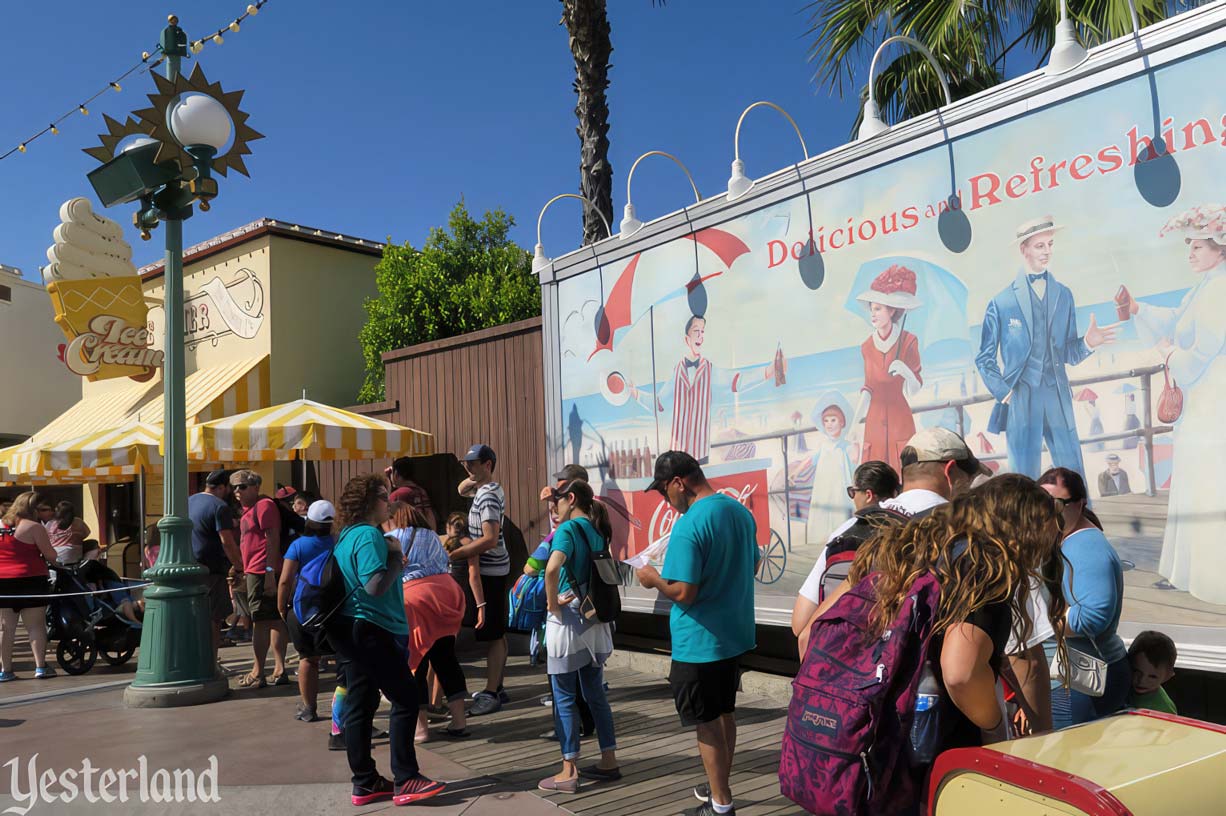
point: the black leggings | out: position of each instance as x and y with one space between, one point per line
446 665
376 661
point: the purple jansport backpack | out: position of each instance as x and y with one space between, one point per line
847 742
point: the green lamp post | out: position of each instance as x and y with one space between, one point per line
167 168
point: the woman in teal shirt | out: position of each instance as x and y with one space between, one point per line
371 632
577 647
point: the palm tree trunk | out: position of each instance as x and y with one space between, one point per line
588 25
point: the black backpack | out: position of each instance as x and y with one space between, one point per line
603 601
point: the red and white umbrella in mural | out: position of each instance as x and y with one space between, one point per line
618 311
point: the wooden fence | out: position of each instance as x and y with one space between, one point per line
486 387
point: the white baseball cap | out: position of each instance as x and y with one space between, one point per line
321 511
942 445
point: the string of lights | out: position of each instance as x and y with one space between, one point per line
148 61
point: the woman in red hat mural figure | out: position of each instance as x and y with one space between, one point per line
891 367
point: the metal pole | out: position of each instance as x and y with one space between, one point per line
1151 487
176 665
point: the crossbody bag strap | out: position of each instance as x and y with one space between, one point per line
581 589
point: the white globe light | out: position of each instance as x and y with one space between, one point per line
200 120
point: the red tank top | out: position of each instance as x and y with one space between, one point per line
19 559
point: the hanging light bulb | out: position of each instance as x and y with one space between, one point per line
217 40
234 26
253 9
84 110
197 47
117 87
144 56
54 130
21 147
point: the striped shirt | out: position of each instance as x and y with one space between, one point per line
692 409
488 505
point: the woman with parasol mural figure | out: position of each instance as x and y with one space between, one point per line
1191 339
891 367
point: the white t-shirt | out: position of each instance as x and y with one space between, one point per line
910 502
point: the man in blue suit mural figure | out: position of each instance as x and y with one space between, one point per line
1032 327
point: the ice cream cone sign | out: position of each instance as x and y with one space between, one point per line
97 296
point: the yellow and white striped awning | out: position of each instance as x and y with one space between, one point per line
217 391
122 451
303 429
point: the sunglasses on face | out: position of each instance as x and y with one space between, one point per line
852 490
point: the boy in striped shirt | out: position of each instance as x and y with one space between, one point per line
485 528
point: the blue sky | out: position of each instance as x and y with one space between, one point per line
380 115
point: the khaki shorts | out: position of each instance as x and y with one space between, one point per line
263 607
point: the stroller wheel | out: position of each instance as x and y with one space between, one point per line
117 657
76 656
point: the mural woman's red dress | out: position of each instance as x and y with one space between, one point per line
889 425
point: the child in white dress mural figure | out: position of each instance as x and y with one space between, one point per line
833 464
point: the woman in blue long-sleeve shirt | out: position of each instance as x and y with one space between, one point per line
1094 590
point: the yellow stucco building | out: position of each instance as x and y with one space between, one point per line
272 309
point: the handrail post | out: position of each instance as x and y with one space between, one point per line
787 496
1146 395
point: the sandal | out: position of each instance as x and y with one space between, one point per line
281 679
455 733
252 681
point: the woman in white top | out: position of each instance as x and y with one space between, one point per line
1191 338
66 531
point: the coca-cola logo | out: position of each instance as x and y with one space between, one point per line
664 516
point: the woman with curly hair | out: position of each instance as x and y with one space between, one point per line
988 549
371 633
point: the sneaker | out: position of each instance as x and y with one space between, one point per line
381 792
336 742
379 733
503 697
485 703
702 792
44 673
305 714
708 809
417 789
7 676
547 700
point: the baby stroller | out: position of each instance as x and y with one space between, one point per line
86 625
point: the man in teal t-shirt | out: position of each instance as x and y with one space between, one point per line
708 574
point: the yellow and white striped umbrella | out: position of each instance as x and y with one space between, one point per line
303 429
120 451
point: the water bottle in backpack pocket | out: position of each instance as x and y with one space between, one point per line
927 730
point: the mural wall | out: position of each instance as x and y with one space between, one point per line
1040 287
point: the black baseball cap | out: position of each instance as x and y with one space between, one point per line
218 478
671 465
480 453
571 473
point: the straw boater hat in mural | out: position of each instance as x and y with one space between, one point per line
1035 227
895 287
1206 222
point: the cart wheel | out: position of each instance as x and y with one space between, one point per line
774 560
117 657
76 656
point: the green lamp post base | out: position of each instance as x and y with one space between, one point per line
176 666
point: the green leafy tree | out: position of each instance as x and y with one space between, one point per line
970 39
467 277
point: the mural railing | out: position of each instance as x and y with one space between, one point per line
1145 433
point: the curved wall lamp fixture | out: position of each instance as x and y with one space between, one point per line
630 223
738 184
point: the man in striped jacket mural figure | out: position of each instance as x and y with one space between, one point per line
690 388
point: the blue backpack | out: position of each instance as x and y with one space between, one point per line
320 591
527 609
